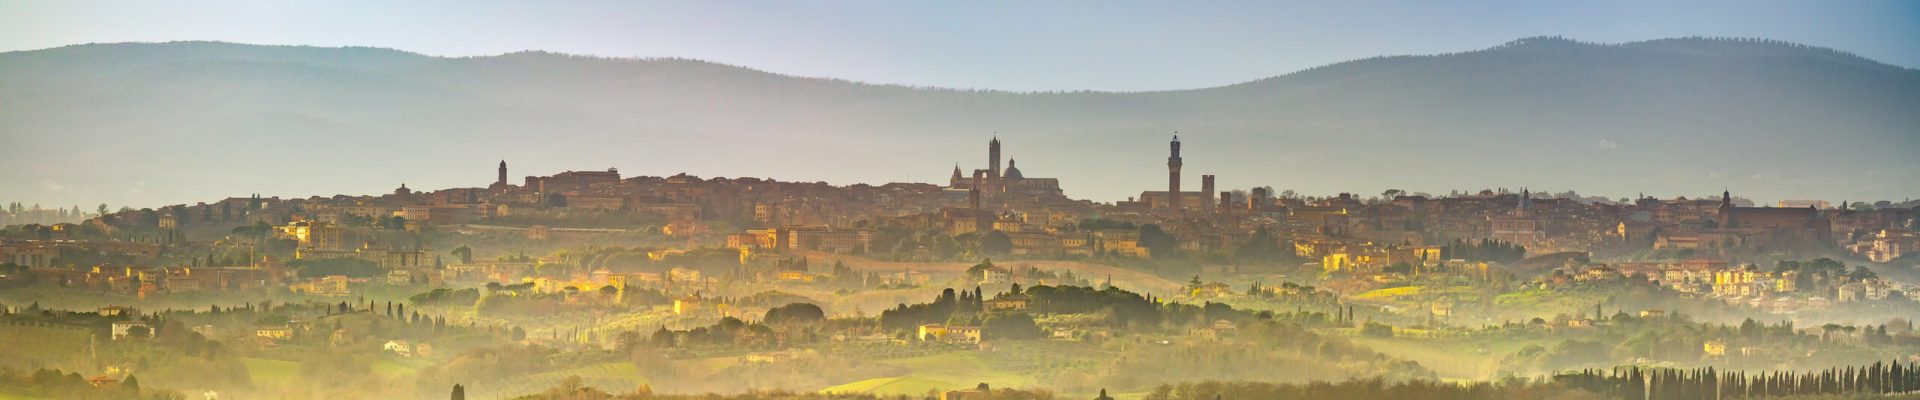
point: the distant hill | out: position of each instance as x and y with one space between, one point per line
148 124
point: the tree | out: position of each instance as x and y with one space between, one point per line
1019 326
996 243
459 392
465 253
139 331
1159 244
796 313
1861 273
1260 247
977 269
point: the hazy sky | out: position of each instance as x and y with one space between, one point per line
1025 45
1003 45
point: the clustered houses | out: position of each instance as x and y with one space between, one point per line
1778 290
44 253
1887 244
1397 233
1346 233
145 281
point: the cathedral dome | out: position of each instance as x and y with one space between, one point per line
1012 171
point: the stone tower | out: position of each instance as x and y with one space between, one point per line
981 221
502 181
1173 174
993 165
1206 190
973 194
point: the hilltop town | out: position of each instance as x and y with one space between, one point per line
995 278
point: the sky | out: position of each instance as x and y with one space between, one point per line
1007 45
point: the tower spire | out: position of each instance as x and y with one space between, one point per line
993 165
502 181
1173 173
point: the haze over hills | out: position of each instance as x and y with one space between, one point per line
153 124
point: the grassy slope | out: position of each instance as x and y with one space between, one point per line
269 372
945 371
899 385
614 377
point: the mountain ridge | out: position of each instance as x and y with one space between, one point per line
1652 44
1662 116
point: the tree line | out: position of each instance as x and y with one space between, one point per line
1706 383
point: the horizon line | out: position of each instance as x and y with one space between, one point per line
749 68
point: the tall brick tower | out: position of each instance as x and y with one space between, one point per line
981 221
1206 192
993 166
503 174
1173 174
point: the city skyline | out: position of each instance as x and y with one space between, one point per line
1148 54
501 175
998 200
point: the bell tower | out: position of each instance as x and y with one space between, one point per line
1173 173
993 165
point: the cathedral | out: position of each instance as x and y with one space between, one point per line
994 182
1768 218
1520 226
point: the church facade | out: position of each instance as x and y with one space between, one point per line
994 182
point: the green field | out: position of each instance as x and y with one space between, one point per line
43 344
1451 359
1388 294
944 371
391 368
613 377
603 371
272 372
899 385
1546 302
965 367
